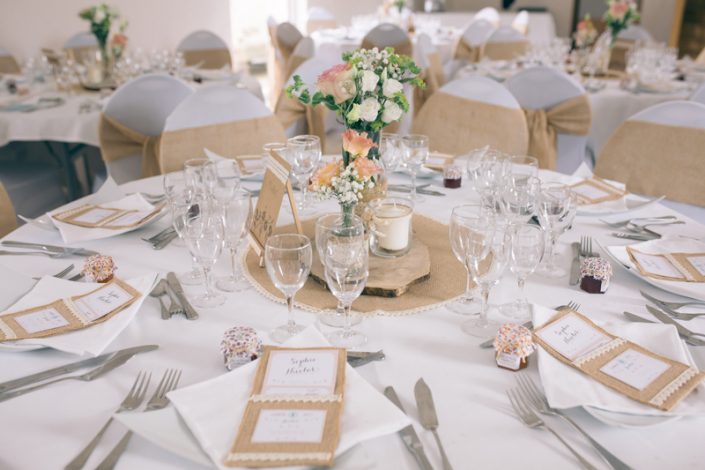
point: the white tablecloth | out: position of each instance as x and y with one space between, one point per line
45 429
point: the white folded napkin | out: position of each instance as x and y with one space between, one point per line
213 409
567 387
92 340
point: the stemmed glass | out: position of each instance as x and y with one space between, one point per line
526 253
173 182
473 161
490 178
346 271
554 204
204 237
521 165
415 154
227 176
389 151
200 176
519 196
458 232
288 259
237 215
182 204
304 154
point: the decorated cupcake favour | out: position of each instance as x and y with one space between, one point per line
239 346
595 274
99 268
513 345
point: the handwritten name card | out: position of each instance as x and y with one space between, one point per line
685 267
573 337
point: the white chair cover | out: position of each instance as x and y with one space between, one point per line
635 32
142 105
388 35
285 36
473 38
81 46
205 48
320 18
544 88
699 95
489 14
505 43
521 22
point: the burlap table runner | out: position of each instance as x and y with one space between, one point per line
434 77
446 282
656 160
571 116
229 139
8 64
208 58
119 141
8 218
403 48
464 51
505 50
457 125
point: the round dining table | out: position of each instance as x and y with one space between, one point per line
47 428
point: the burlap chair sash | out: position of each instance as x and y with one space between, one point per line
283 52
208 58
8 218
403 48
456 125
8 64
229 139
466 52
505 50
571 116
290 110
434 78
292 64
657 160
119 141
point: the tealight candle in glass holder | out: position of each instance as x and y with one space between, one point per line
390 226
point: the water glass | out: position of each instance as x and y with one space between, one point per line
389 151
200 176
526 253
205 237
554 205
304 153
518 197
415 154
237 215
182 206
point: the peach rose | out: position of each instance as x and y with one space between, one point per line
618 9
119 39
339 82
365 167
325 175
357 143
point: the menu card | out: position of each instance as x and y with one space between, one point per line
69 314
92 216
595 190
293 415
626 367
685 267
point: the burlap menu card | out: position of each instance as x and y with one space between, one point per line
293 414
69 314
619 364
93 216
685 267
596 190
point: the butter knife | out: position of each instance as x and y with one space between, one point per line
175 286
408 434
688 339
68 368
665 318
575 265
428 416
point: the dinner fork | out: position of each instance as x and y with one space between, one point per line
532 420
169 381
537 399
586 247
671 305
133 399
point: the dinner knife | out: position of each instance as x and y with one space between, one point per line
91 361
49 248
575 265
175 286
688 339
665 318
408 434
428 416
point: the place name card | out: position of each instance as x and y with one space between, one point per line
436 161
623 366
684 267
68 314
293 414
595 190
92 216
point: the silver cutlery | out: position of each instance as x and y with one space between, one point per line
34 253
408 434
671 305
428 417
664 318
586 247
622 223
175 285
635 236
133 400
537 399
407 187
531 419
159 291
165 241
77 277
61 273
575 264
679 315
687 338
49 248
155 238
68 368
175 307
169 382
641 228
360 358
43 224
424 191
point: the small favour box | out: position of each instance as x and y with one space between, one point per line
513 345
595 274
99 268
239 346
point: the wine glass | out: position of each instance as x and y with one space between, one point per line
227 178
237 215
182 205
325 225
473 161
173 182
304 153
389 151
521 165
526 253
458 232
288 259
554 204
346 271
518 197
490 178
200 176
415 154
205 236
279 147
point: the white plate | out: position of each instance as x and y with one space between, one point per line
9 347
626 420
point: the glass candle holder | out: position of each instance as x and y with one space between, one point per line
390 227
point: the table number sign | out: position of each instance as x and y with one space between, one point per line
685 267
617 363
274 185
69 314
91 216
293 415
595 190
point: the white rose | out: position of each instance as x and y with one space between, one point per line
392 112
391 87
369 109
99 15
369 81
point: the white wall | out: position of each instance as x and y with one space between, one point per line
28 25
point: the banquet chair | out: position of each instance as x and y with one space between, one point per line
658 152
303 51
284 36
228 120
635 32
557 114
205 50
468 47
488 14
472 112
388 35
8 218
699 95
132 122
505 43
320 18
8 64
700 59
521 22
81 47
429 60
